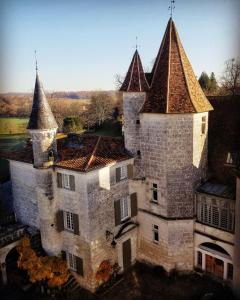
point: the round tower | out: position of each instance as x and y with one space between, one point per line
42 128
172 143
134 90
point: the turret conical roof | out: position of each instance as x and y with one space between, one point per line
41 116
174 87
135 80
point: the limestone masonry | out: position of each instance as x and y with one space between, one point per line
151 197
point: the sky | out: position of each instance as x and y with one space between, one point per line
83 44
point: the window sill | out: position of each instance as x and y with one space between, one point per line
69 230
125 220
156 242
154 202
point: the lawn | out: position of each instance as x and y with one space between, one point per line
13 125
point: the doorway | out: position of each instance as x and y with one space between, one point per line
127 254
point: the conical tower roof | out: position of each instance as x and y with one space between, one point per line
135 80
174 87
41 116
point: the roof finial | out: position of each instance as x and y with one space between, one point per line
36 60
171 7
136 42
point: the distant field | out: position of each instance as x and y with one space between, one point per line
13 125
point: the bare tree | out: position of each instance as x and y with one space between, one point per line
101 107
231 77
118 81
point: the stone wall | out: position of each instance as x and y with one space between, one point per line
175 246
132 103
43 141
24 193
172 160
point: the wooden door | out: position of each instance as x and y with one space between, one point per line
214 266
127 254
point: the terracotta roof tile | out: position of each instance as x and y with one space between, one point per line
135 80
80 152
174 87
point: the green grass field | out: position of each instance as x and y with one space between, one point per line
13 125
13 135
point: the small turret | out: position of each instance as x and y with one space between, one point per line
42 127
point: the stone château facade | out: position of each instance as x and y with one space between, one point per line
150 199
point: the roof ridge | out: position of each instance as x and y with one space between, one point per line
134 57
169 63
158 56
139 78
93 154
183 67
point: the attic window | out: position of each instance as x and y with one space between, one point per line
233 159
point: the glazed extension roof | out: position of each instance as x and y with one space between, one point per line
41 116
174 87
81 153
135 80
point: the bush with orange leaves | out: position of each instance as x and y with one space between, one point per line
104 271
52 269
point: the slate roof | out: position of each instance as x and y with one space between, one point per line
217 189
135 80
80 152
174 87
41 116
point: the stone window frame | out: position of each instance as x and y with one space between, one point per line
72 261
155 231
154 192
124 209
68 221
66 181
123 172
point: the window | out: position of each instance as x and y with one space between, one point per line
124 208
203 125
138 153
199 259
233 159
68 221
72 261
123 172
155 233
154 192
229 271
65 181
137 121
215 215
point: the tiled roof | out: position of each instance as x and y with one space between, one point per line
174 87
80 152
41 116
217 189
135 80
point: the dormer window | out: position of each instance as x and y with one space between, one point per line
233 159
